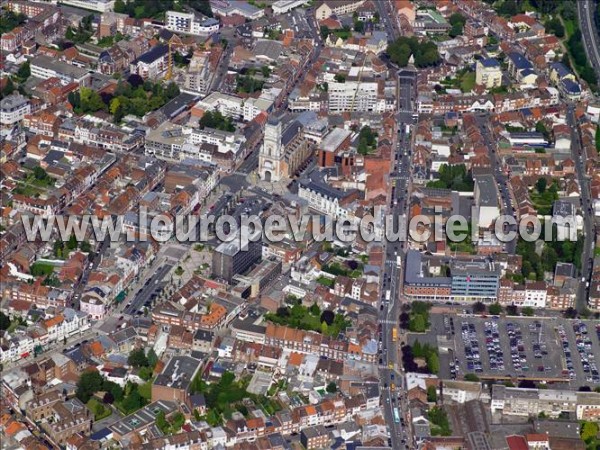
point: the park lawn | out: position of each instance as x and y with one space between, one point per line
467 82
569 28
326 281
100 411
145 389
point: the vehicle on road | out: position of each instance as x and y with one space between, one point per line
394 334
396 415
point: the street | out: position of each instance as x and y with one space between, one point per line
586 208
395 406
589 32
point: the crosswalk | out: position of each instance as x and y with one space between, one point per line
387 321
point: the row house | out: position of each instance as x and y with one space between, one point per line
42 123
37 294
45 208
15 346
311 342
64 325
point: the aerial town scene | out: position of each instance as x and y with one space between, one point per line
300 224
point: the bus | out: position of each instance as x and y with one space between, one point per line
394 334
396 415
387 295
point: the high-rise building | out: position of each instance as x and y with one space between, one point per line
230 259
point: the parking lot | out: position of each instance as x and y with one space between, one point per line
555 350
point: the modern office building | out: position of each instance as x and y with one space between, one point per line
188 23
474 281
230 259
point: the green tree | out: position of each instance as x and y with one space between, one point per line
495 309
161 423
340 78
541 185
431 394
598 138
137 358
89 383
359 26
471 377
479 307
527 311
72 243
24 72
152 358
457 21
324 31
331 388
9 88
589 431
133 401
4 321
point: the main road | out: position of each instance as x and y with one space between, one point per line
586 208
393 391
589 32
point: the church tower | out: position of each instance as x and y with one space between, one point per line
271 152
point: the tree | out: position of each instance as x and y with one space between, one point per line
89 383
24 72
331 388
119 6
340 78
9 88
541 185
133 401
137 358
431 394
359 26
327 317
108 398
152 358
478 308
527 311
589 431
161 422
471 377
145 373
457 21
72 242
324 31
495 309
4 321
315 310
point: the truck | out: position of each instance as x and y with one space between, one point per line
387 295
394 334
398 261
407 129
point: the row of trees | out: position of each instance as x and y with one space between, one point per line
424 52
140 9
